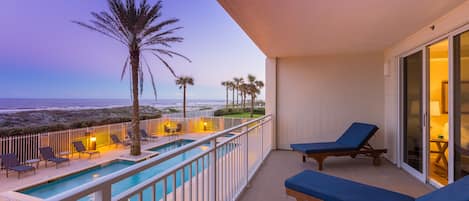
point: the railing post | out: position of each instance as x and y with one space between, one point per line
247 155
103 194
213 171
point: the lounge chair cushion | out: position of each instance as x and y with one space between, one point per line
330 188
21 168
58 160
357 135
457 191
309 148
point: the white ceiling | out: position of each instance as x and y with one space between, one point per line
283 28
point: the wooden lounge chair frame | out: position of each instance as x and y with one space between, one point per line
366 150
300 196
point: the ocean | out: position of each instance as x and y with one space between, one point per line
24 104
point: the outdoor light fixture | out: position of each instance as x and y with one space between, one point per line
205 126
92 143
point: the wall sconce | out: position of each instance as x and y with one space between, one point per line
92 143
205 126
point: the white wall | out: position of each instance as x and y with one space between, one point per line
319 97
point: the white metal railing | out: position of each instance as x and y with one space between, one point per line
219 172
26 146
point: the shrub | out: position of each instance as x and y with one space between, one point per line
228 111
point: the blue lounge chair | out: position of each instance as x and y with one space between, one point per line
80 148
117 141
352 143
11 163
49 156
130 134
144 135
310 185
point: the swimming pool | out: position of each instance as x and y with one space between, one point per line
50 189
171 146
68 182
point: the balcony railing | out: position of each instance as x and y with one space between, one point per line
220 172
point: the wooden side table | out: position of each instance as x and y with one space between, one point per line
442 146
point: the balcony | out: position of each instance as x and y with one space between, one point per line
268 184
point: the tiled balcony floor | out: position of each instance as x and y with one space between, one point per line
267 184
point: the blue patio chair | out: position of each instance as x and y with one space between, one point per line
130 134
144 135
49 156
117 141
353 142
311 185
11 163
80 148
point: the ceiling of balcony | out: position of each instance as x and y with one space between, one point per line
282 28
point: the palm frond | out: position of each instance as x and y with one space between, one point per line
124 68
151 77
166 64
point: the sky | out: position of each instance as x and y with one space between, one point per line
44 55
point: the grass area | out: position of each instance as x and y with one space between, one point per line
242 115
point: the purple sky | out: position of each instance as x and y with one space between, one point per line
44 55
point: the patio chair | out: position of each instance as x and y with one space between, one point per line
178 128
48 155
314 186
129 135
117 141
144 135
11 163
352 143
80 148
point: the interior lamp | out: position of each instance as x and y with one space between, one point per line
435 109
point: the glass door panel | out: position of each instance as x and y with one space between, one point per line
461 105
412 111
438 131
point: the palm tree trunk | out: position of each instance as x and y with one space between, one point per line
134 62
252 106
226 97
233 97
184 102
237 96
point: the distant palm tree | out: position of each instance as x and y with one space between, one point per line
254 88
243 88
232 87
140 29
183 82
237 81
226 85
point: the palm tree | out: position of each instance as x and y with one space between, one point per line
237 81
140 29
232 86
244 89
226 85
183 82
254 88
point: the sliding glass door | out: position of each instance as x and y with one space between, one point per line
461 105
412 138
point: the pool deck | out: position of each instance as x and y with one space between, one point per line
109 153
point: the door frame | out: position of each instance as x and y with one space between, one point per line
419 175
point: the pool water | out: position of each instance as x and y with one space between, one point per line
72 181
171 146
65 183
